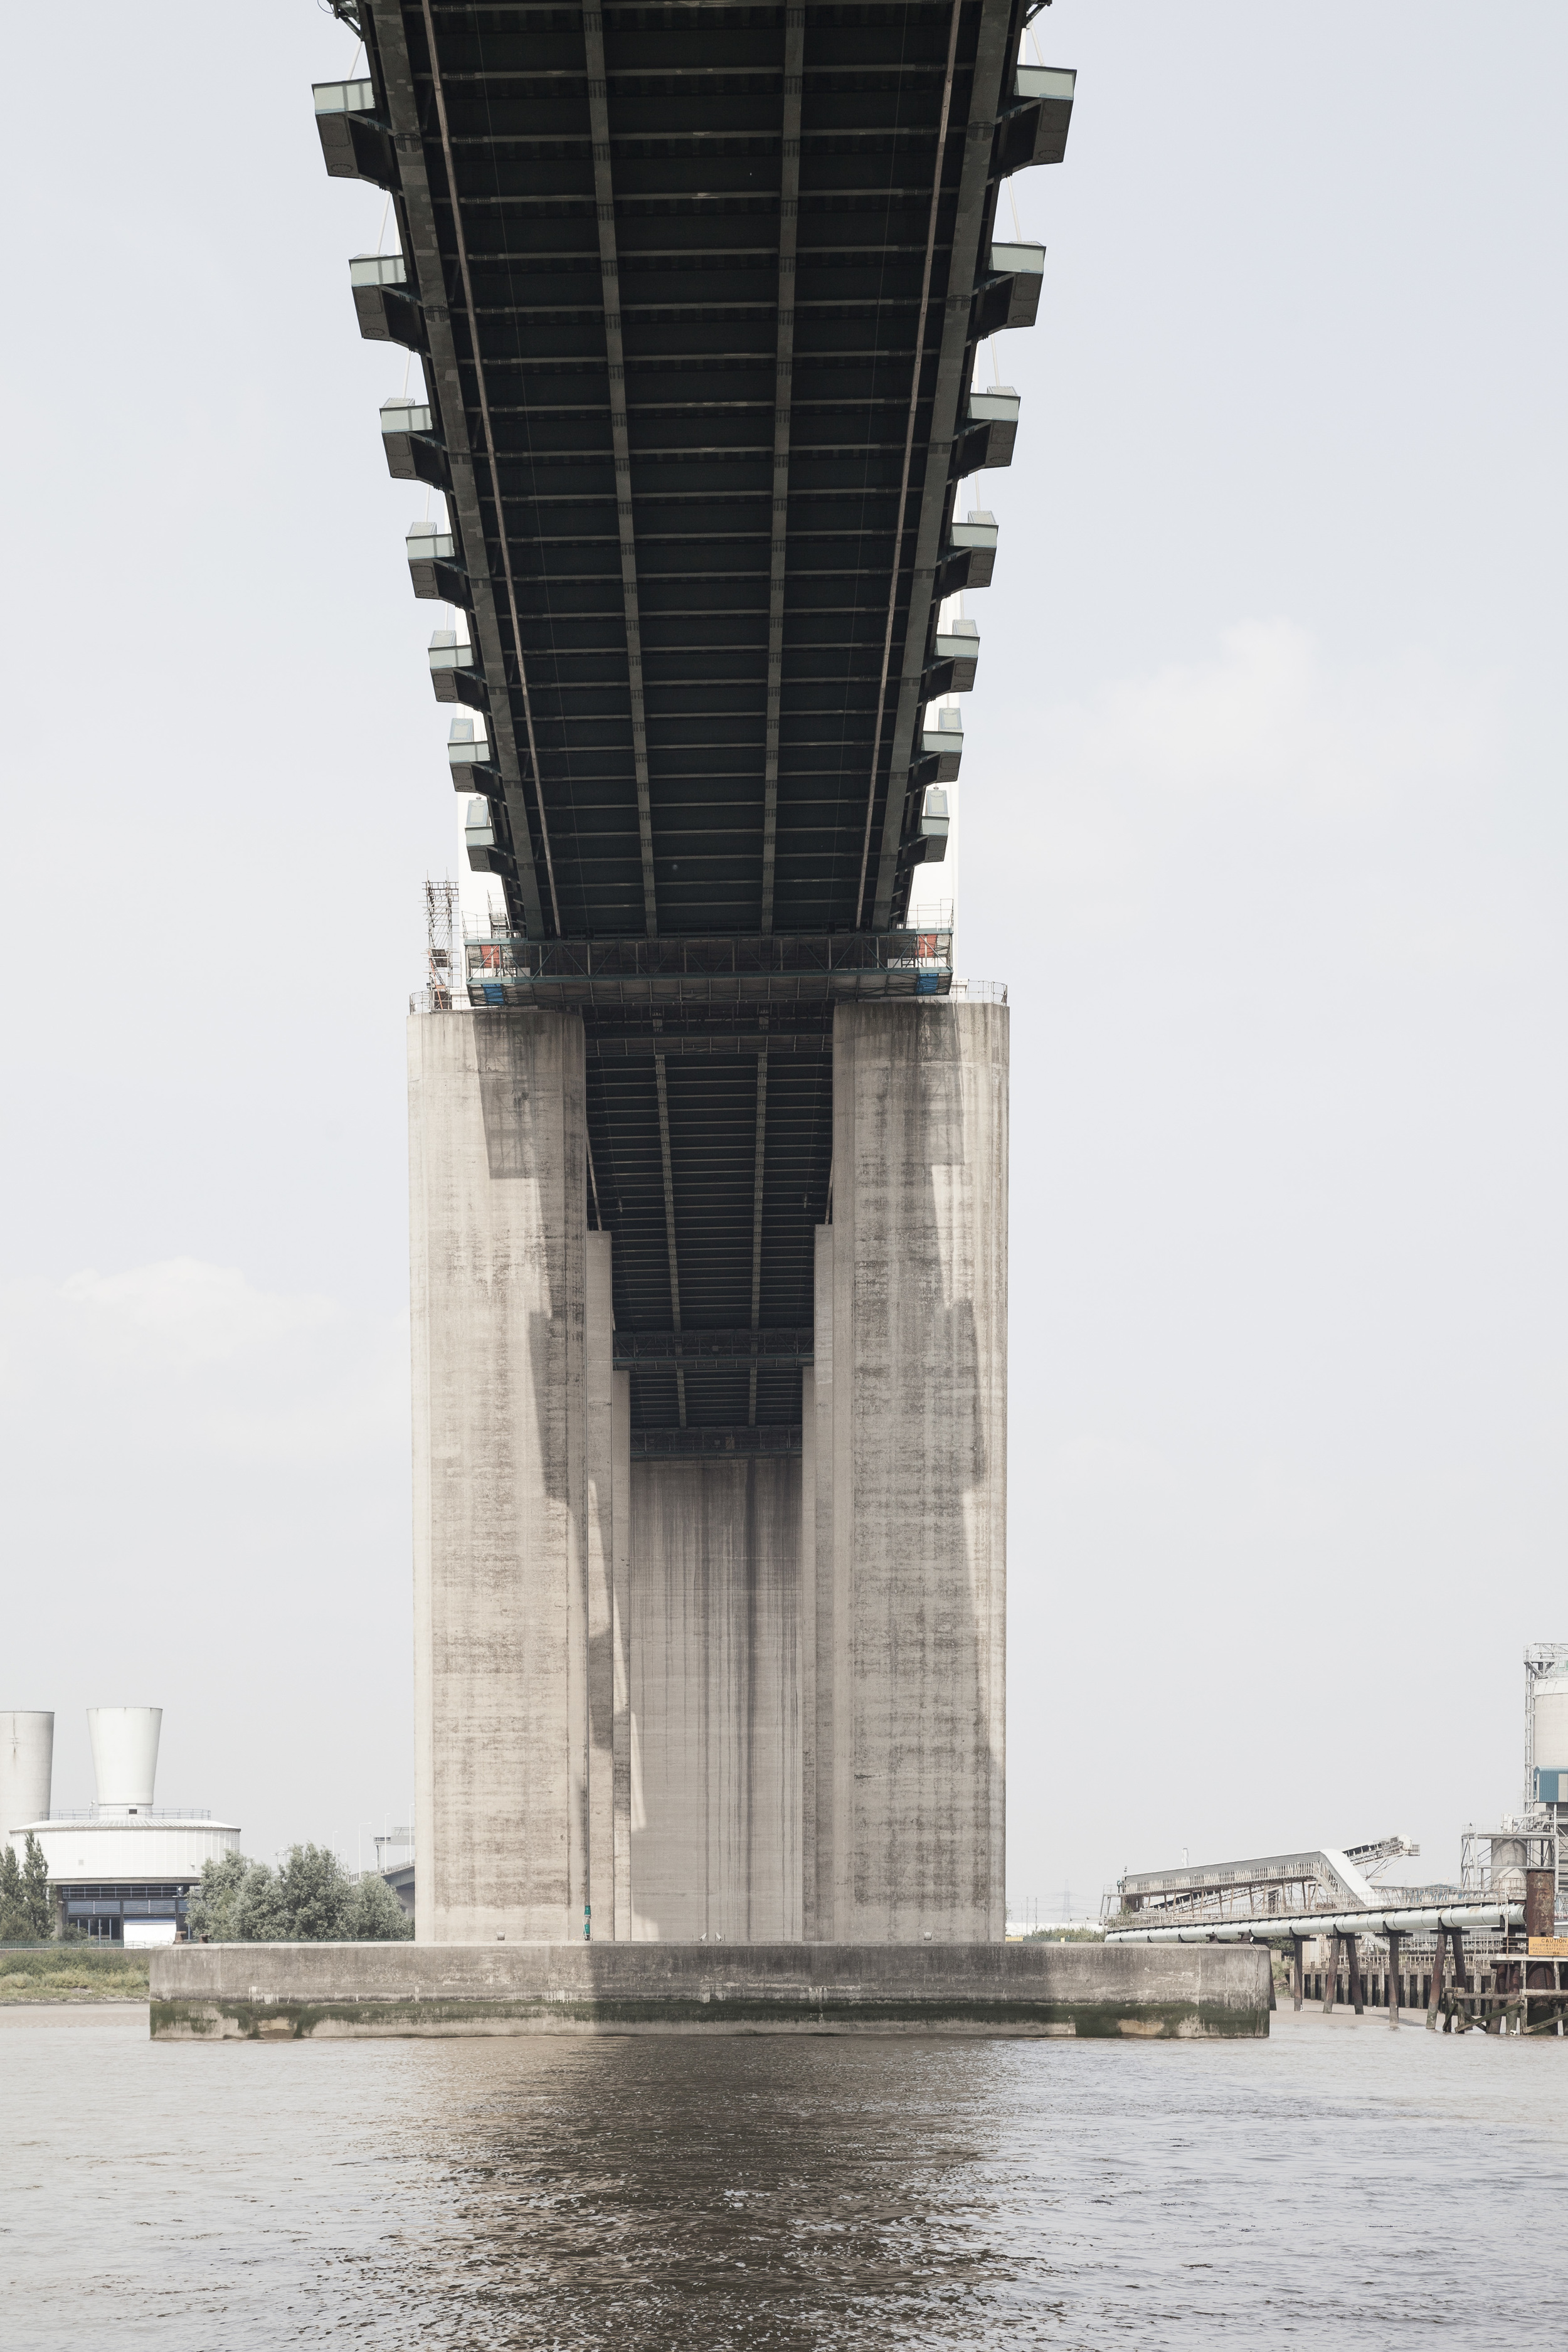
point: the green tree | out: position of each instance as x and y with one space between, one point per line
316 1891
259 1913
308 1899
15 1926
215 1899
375 1914
36 1899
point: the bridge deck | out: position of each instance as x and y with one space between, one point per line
697 292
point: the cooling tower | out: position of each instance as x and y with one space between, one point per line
26 1765
124 1753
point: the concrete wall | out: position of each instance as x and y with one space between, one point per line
909 1467
715 1795
501 1445
265 1991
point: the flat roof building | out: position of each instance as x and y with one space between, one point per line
120 1870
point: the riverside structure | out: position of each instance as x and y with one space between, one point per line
708 1153
709 1149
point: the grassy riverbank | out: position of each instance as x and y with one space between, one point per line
72 1972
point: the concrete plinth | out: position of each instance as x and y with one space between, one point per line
321 1991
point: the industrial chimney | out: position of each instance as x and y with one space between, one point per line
124 1755
27 1767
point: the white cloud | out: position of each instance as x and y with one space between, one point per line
1268 800
1267 715
182 1311
190 1357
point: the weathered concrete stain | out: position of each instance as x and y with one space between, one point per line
715 1666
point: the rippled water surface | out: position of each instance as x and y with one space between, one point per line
1363 2187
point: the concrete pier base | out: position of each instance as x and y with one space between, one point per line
210 1992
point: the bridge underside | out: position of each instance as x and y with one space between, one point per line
697 292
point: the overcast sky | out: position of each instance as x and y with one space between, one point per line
1262 818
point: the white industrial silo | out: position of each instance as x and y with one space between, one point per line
27 1767
124 1755
1548 1733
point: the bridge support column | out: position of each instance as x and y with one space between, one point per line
715 1644
1298 1971
1394 1942
514 1688
910 1469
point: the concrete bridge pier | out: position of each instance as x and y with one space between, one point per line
520 1484
908 1465
751 1698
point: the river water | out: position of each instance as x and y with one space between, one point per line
1340 2181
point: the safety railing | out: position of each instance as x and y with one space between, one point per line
132 1813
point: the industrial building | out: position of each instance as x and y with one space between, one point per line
1324 1878
1488 1950
708 1145
120 1870
1544 1814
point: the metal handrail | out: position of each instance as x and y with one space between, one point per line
627 955
131 1813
